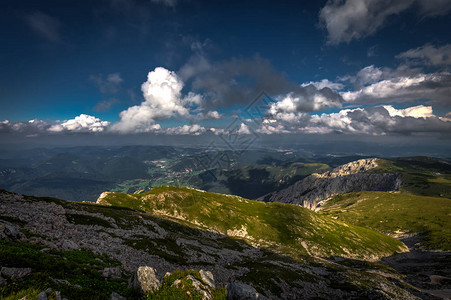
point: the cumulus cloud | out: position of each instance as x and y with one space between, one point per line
292 106
44 26
419 111
163 99
194 129
380 120
435 87
428 55
82 123
353 19
108 84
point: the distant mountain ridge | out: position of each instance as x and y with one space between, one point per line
311 191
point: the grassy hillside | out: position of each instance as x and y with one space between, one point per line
281 227
425 176
396 212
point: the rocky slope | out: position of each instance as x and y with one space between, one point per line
313 190
91 251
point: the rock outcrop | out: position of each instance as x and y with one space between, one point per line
313 190
145 279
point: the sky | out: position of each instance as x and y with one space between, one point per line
170 68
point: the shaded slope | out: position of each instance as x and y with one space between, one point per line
284 227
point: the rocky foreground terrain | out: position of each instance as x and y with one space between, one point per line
56 249
313 190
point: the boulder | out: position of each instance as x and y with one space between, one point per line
242 291
145 279
113 272
15 273
9 232
207 277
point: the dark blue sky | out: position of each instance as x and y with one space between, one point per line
88 59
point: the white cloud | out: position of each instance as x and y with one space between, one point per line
82 123
419 111
209 115
355 19
163 99
428 55
291 107
380 120
194 129
432 86
244 129
323 84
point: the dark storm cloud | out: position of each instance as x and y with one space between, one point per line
238 81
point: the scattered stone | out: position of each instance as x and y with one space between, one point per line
9 232
242 291
116 296
48 291
145 279
15 273
42 296
69 245
113 272
207 277
57 295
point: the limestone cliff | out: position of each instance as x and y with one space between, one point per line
313 190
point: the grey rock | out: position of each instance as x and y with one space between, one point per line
242 291
311 191
42 296
68 245
9 232
48 291
207 277
145 279
197 285
112 272
57 295
116 296
15 273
